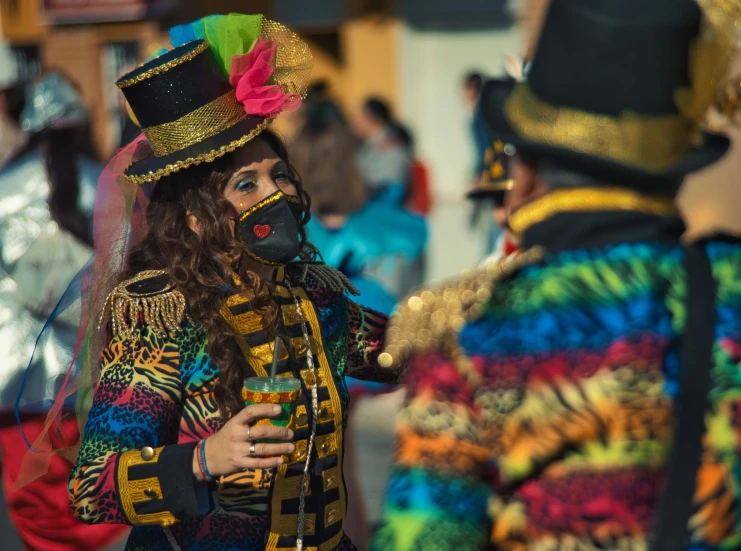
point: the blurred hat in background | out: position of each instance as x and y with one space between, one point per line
605 85
52 102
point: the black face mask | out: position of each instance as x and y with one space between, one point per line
269 230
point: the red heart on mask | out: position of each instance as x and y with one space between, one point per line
262 231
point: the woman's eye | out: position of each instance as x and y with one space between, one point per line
282 178
245 185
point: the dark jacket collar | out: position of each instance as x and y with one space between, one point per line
589 218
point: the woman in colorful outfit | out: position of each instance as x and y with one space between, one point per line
219 269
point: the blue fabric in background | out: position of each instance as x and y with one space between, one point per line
382 232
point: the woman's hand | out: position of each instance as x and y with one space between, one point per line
228 450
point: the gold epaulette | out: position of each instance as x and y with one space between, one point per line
324 275
151 296
430 319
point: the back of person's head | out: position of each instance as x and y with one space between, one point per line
378 110
404 136
317 91
323 153
321 113
474 81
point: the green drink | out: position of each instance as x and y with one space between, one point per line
282 391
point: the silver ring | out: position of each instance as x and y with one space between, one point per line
249 436
253 451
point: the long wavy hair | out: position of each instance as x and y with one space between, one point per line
202 264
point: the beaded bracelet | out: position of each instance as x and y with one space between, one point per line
202 461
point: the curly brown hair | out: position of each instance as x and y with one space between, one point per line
202 264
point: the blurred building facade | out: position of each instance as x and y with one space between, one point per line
360 45
413 53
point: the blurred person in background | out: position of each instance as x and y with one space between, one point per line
383 158
709 199
419 193
493 163
353 235
584 394
473 81
491 193
47 187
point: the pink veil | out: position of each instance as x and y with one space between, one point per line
118 224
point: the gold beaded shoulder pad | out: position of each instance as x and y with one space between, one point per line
430 320
149 297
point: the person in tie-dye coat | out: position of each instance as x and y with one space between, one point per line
555 399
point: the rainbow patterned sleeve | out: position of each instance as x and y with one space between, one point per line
129 469
439 487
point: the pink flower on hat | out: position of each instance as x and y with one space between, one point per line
249 75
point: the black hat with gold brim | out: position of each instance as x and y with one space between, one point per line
495 179
188 109
603 87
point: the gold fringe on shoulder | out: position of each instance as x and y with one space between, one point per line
163 310
430 320
326 276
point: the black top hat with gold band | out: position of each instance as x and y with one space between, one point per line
606 86
209 96
495 180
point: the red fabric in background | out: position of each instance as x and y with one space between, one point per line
509 246
40 511
419 199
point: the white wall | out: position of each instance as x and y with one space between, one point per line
432 66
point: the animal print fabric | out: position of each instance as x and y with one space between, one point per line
563 442
158 392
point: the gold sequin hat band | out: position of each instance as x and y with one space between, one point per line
618 108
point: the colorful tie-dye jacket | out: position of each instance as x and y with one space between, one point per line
155 401
543 419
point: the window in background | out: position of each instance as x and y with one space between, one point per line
27 58
118 58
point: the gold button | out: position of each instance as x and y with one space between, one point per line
147 453
325 447
323 412
150 492
330 481
300 456
332 515
302 419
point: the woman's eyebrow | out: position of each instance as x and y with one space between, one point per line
245 172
